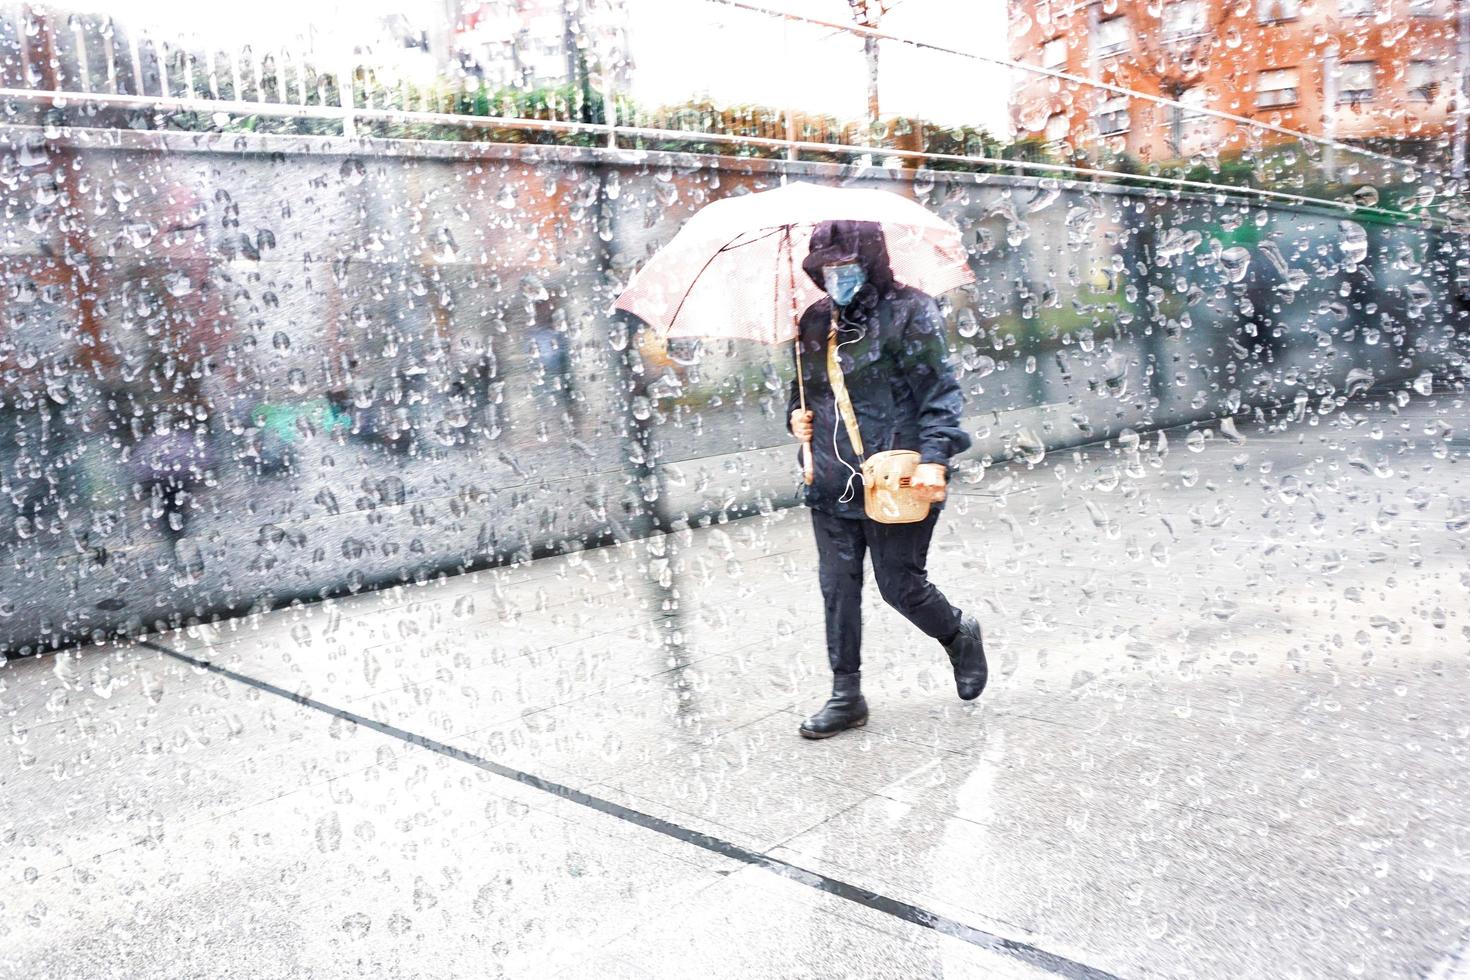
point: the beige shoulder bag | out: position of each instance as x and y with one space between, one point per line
888 497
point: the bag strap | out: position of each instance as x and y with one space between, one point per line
839 391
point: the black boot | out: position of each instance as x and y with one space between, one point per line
967 655
846 709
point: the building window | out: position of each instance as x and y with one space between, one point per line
1355 84
1423 79
1057 128
1276 87
1423 8
1184 18
1271 11
1054 54
1112 116
1355 8
1113 36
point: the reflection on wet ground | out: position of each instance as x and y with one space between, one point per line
1225 736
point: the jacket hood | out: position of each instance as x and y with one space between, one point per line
847 241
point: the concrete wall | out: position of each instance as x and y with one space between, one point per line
240 370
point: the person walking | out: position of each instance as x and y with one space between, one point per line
888 342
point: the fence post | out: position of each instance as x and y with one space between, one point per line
610 110
160 61
109 51
344 97
79 37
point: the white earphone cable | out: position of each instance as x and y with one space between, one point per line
847 489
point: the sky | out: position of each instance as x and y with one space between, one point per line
684 48
735 56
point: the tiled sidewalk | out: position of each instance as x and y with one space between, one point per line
1226 735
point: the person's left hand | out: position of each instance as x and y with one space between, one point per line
928 482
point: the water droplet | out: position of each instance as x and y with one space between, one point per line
329 833
1236 261
1358 381
357 925
1030 447
1418 296
1353 242
923 182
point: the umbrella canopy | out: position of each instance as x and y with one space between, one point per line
734 269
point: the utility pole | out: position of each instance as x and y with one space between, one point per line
1094 67
570 29
604 35
869 14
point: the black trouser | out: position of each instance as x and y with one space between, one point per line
899 554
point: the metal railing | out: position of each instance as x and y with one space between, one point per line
211 83
614 132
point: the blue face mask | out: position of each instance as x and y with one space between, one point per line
842 282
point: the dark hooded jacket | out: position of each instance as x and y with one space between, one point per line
892 351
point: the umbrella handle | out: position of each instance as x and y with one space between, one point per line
808 466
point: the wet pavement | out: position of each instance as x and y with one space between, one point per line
1225 735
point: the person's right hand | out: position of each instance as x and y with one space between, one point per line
801 425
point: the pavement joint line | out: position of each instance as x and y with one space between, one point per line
1050 962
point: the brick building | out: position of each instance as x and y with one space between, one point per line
1343 69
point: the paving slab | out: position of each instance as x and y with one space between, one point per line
1225 735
